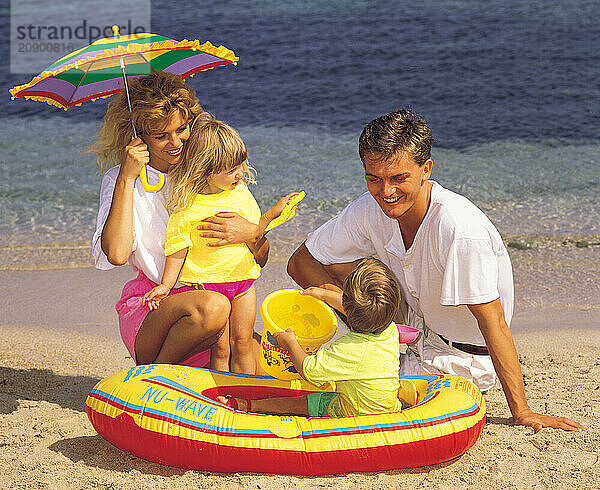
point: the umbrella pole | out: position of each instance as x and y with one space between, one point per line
127 92
143 175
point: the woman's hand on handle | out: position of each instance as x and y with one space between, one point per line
136 156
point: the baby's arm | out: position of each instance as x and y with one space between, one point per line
288 341
173 265
329 293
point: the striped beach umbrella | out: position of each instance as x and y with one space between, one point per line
94 72
102 68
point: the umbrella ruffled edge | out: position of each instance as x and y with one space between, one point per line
220 51
50 101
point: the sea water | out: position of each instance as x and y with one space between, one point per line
49 187
509 88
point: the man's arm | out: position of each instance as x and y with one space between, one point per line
501 347
328 293
307 271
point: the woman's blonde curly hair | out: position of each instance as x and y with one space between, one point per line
213 147
155 99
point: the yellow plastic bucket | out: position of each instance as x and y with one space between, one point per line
313 322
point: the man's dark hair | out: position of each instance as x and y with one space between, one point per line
397 132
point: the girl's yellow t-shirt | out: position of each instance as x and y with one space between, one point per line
203 264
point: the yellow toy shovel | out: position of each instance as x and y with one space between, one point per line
288 212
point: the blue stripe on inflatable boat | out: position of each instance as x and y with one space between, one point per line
123 405
414 422
323 432
178 387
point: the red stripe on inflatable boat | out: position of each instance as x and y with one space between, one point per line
113 403
331 432
175 420
186 453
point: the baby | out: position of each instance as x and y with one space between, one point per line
363 364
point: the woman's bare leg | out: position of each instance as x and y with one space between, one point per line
241 328
184 323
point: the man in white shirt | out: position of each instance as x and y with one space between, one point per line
452 266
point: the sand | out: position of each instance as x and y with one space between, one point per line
60 337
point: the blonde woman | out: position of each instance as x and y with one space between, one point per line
212 176
131 224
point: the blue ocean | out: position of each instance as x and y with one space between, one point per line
510 88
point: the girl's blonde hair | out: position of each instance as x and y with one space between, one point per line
370 297
155 99
213 147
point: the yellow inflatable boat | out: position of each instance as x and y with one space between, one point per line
168 414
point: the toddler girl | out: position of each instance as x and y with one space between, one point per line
212 177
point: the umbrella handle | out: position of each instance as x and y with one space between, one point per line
147 186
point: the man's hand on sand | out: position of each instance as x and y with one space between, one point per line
538 420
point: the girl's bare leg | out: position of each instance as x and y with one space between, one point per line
283 405
184 323
220 352
241 328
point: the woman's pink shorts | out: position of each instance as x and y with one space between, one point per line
132 312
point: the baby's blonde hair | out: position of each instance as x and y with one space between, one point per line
370 297
155 100
213 147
